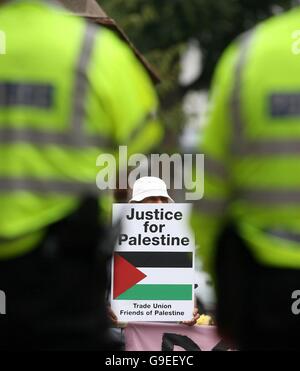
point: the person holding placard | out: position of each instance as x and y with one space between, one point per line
152 190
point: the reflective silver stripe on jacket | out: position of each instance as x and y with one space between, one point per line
46 186
238 118
285 235
32 136
151 116
212 207
81 85
215 168
271 147
271 197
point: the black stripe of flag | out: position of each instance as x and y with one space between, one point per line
159 259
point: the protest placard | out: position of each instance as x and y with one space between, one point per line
153 265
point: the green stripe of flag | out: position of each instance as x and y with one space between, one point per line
158 292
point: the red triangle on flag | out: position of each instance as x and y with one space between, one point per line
126 275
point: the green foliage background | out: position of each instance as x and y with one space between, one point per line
161 29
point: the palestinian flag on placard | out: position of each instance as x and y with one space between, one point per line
153 276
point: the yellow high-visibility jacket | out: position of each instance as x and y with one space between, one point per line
252 146
69 91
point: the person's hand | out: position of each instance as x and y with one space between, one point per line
111 316
194 320
205 320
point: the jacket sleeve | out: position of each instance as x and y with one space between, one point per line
123 105
211 211
127 101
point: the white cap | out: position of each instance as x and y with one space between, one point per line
149 186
